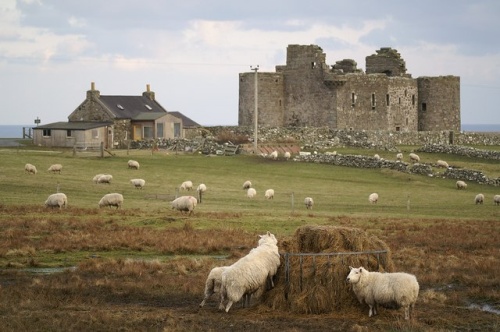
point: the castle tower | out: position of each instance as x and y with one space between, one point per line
387 61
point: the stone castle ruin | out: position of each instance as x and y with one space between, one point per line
306 92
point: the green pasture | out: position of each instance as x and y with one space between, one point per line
337 191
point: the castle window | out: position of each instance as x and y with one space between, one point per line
280 102
407 121
373 101
406 93
398 128
424 107
353 99
387 100
313 65
399 100
413 100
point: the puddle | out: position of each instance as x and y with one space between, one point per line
484 307
48 270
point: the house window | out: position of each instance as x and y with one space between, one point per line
159 130
148 132
424 107
46 132
387 100
177 130
373 101
68 133
95 133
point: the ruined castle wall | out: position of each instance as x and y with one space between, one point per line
387 61
439 103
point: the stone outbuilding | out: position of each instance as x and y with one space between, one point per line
114 121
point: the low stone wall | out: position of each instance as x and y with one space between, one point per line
461 150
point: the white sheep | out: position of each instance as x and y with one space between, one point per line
213 283
399 156
186 185
96 178
376 156
247 184
308 201
414 158
114 199
442 164
461 185
287 155
133 164
56 168
373 198
184 204
138 183
269 194
274 155
251 192
105 178
250 273
496 199
374 288
479 199
57 200
201 190
31 169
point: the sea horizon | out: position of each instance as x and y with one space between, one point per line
16 131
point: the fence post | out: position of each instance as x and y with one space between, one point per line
292 202
102 149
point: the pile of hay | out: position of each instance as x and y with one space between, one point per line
316 284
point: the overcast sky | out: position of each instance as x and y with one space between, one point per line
191 52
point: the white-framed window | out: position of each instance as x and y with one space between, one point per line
47 133
95 133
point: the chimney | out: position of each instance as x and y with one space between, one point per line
93 93
148 93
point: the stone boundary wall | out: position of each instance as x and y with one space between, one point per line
461 150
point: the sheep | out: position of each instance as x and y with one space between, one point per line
133 164
269 194
251 192
399 156
186 185
247 184
373 288
414 158
184 204
442 164
308 201
479 199
287 155
56 168
274 155
57 200
96 178
373 198
250 273
376 156
461 185
138 183
201 190
31 169
496 199
105 178
114 199
213 283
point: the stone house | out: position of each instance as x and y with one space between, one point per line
114 121
306 92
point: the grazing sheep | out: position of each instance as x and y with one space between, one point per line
114 199
246 185
138 183
96 178
376 156
201 190
399 156
186 185
105 178
56 168
57 200
390 289
373 198
414 158
251 272
274 155
461 185
442 164
287 155
31 169
213 283
184 204
496 199
269 194
251 192
479 199
133 164
308 201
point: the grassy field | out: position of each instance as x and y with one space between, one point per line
147 262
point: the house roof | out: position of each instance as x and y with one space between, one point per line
74 125
129 107
186 122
